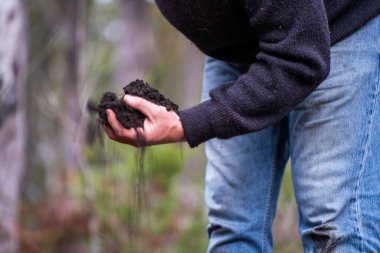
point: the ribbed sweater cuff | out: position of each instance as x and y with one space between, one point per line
195 122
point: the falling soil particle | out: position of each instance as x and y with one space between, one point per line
127 116
131 118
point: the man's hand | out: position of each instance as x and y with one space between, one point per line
160 126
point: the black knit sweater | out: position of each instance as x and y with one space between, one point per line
286 42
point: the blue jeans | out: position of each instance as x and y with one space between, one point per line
333 141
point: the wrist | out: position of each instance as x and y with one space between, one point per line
179 131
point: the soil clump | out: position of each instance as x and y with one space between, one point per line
127 116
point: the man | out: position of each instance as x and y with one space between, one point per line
288 78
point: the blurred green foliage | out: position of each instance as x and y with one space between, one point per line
164 221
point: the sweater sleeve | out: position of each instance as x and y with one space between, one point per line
292 60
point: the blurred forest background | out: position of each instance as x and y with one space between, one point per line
65 188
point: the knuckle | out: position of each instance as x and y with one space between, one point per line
156 112
111 137
160 109
118 132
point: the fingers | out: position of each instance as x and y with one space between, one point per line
118 133
148 108
114 123
109 132
132 140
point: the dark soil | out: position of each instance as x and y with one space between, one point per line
127 116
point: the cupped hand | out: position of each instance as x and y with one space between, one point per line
160 126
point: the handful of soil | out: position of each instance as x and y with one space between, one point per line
127 116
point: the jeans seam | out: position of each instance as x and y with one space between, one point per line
270 192
364 158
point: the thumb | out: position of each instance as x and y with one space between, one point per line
144 106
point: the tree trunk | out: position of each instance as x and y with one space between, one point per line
134 44
73 131
12 118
